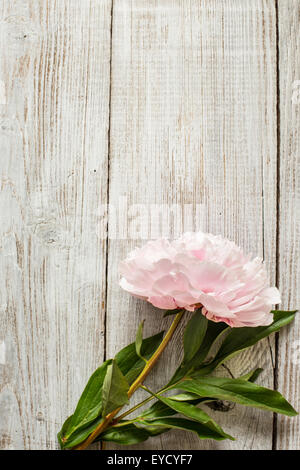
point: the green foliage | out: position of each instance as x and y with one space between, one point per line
130 364
194 335
191 411
238 391
239 339
124 434
201 430
139 340
107 388
89 410
115 389
213 333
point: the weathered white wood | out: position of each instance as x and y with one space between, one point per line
193 121
54 113
288 436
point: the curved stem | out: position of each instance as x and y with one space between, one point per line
136 384
136 407
142 403
145 401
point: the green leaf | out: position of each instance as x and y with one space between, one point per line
191 411
115 389
238 391
194 335
89 405
252 375
202 431
80 435
152 427
189 397
139 340
130 364
124 434
128 433
63 430
213 333
88 411
242 338
159 409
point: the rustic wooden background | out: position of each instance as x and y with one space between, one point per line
139 102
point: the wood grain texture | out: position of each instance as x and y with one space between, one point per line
288 436
166 110
193 121
55 72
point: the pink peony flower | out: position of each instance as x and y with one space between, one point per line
201 270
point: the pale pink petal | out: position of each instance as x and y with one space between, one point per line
172 282
201 269
164 302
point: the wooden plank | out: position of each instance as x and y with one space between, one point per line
193 121
289 217
54 75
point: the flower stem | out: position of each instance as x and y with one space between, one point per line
145 401
135 385
141 403
136 407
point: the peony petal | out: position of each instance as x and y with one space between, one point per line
215 306
201 268
163 302
172 282
271 295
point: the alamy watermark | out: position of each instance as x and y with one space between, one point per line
126 221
